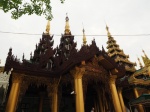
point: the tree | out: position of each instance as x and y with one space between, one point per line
22 7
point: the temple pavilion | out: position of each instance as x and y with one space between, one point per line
64 79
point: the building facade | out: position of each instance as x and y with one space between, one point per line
64 79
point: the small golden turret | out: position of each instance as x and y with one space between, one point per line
84 37
67 27
108 33
48 27
141 66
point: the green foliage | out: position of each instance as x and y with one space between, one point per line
22 7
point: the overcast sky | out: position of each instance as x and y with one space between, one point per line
124 17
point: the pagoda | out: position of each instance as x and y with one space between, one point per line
118 54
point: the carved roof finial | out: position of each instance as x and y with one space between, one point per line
144 54
108 33
23 57
146 60
84 37
67 27
48 27
141 66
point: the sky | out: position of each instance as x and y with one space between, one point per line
124 17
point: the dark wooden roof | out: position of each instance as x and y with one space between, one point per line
53 62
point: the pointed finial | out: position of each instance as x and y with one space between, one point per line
144 54
67 27
31 55
48 27
141 66
23 57
84 37
103 48
108 33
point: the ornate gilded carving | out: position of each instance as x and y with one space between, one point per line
112 79
78 72
52 86
17 78
140 77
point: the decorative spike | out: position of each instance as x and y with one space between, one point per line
16 58
84 37
144 54
23 57
36 46
10 52
103 48
141 66
48 27
108 33
67 27
31 55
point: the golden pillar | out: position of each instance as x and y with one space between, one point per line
41 101
52 89
140 107
77 74
121 99
100 101
14 93
114 93
53 95
55 99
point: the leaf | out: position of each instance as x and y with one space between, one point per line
18 8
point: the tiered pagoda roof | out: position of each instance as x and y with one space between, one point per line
118 55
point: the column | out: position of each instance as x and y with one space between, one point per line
14 93
121 99
140 107
77 73
55 99
41 101
52 90
100 101
114 93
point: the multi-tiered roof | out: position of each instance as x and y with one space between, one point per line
117 54
54 62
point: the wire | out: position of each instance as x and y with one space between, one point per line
69 35
18 33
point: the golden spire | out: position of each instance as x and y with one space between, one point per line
48 27
144 54
67 27
141 66
84 37
108 33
